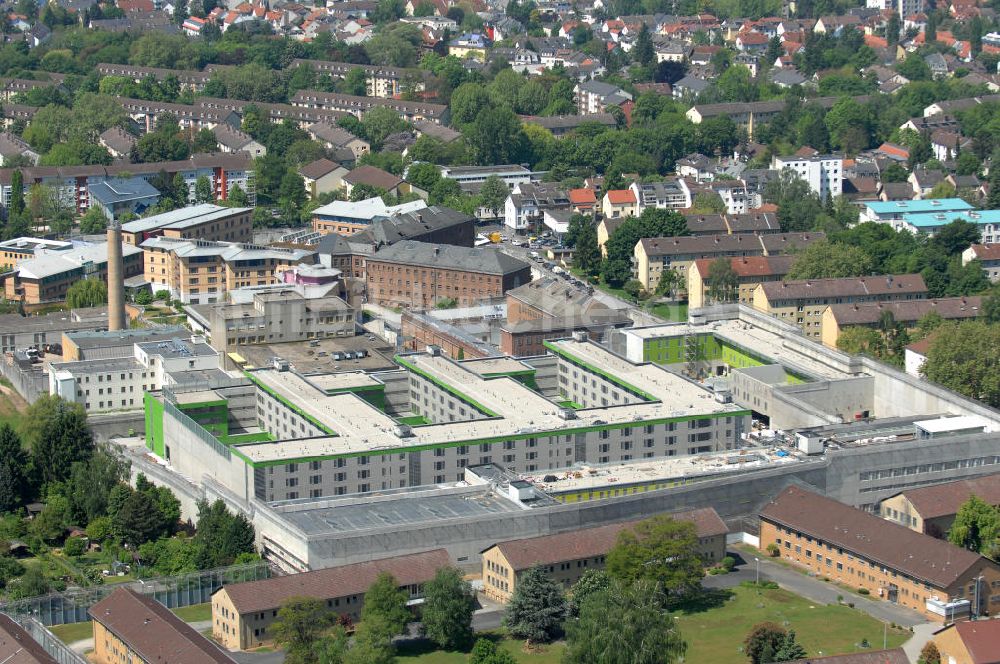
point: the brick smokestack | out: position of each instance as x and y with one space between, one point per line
116 278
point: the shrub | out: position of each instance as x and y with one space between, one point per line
773 550
863 591
728 563
840 599
74 547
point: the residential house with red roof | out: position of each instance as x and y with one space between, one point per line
969 642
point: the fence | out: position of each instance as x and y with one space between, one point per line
172 591
50 642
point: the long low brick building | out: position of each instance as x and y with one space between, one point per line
566 556
892 562
243 612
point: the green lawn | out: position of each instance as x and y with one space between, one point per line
672 312
73 632
11 406
424 653
414 420
715 635
195 612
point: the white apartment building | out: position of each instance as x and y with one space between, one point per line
823 173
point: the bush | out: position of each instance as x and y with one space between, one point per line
840 599
161 295
728 563
863 591
143 297
773 550
74 547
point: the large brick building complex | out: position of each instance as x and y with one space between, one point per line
421 274
892 562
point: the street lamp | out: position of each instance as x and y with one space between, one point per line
757 562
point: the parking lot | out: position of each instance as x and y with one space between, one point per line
324 354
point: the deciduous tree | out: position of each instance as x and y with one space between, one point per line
300 624
449 603
976 527
662 550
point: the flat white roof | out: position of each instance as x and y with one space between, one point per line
609 476
958 423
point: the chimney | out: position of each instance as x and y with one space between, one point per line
116 278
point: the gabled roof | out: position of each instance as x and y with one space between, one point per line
916 555
894 656
945 499
373 176
254 596
317 169
751 266
17 646
986 252
844 287
907 311
621 197
590 542
152 630
981 639
484 260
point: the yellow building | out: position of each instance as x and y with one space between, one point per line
803 302
931 510
130 628
976 642
605 230
858 549
838 317
243 612
202 272
566 556
655 254
750 272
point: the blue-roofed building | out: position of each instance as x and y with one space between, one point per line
115 197
892 212
930 222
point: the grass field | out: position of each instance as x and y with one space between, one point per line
73 632
671 312
195 612
11 406
423 652
715 635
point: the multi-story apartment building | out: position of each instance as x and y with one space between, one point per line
135 628
46 277
189 79
988 256
408 110
225 171
596 96
894 212
205 221
803 302
526 204
202 271
931 510
421 274
750 272
113 384
823 173
653 255
566 556
935 578
334 435
669 194
243 612
838 317
385 82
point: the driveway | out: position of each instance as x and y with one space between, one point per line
813 589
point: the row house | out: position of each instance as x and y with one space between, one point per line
408 110
385 82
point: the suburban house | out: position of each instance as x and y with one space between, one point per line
988 255
619 203
322 176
